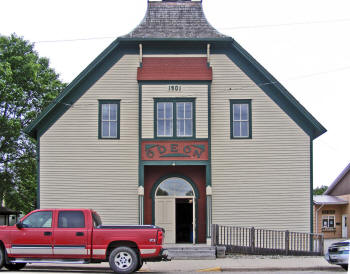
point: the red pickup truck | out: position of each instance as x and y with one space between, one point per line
78 236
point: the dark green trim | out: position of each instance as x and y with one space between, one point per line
311 188
261 77
141 170
189 180
38 173
226 39
153 46
111 55
100 103
241 101
208 167
174 100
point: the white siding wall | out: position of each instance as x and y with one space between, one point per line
79 170
200 92
265 181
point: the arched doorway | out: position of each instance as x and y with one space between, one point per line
175 209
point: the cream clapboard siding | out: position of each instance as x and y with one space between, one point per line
265 181
200 92
79 170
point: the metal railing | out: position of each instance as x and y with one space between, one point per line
266 242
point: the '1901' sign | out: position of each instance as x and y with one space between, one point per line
174 150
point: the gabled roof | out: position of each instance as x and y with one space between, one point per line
328 200
338 179
191 32
174 19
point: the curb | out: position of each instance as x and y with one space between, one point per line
271 269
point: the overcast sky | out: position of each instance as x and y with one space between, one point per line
305 44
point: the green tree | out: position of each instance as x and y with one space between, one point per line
27 85
320 190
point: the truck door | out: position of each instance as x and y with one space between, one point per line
34 239
71 235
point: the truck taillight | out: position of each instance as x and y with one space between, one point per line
160 237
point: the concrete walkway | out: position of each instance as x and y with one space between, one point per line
229 264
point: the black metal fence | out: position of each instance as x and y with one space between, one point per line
246 240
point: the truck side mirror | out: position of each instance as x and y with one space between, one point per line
19 225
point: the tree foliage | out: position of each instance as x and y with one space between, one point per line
27 85
320 190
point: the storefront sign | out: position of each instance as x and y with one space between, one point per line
174 150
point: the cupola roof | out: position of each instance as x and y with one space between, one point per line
175 19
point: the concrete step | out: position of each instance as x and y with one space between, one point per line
192 253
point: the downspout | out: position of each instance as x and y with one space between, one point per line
322 205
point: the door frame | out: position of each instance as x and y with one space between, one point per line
195 199
344 229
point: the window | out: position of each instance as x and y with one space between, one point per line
174 118
328 221
71 219
241 119
175 187
109 119
38 220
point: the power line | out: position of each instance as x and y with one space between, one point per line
288 24
224 28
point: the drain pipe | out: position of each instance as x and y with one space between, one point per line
322 205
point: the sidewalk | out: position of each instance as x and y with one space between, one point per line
245 263
232 264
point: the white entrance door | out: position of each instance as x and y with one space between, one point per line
344 226
165 217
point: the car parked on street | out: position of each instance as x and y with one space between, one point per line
338 253
78 236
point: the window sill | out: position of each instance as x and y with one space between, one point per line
328 229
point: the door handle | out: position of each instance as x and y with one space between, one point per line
47 233
79 233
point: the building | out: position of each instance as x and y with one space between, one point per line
332 210
8 216
175 124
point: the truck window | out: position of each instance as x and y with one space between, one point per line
38 219
71 219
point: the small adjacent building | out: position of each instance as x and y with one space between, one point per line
332 210
175 124
8 216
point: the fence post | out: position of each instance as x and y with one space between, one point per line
321 245
213 235
252 239
286 242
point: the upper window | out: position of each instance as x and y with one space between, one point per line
241 121
38 220
109 119
174 118
71 219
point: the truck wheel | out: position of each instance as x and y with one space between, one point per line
14 266
1 257
345 266
123 260
139 266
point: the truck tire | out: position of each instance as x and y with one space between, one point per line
345 266
139 266
2 256
123 260
14 266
